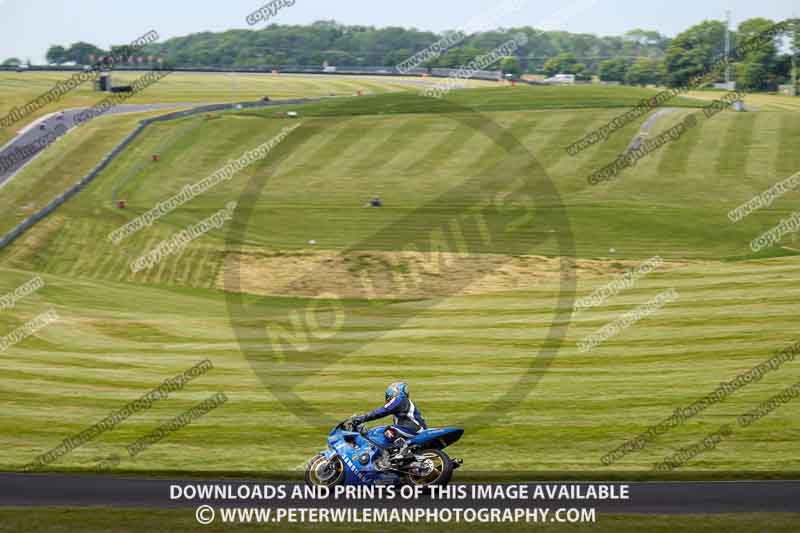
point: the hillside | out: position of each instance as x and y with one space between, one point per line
474 336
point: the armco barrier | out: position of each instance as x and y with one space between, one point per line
490 75
283 69
29 222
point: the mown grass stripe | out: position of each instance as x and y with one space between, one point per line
788 161
450 142
737 140
675 156
327 141
382 154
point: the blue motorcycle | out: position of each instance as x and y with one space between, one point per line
357 455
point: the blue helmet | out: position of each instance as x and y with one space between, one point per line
396 390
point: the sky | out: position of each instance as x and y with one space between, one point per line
29 27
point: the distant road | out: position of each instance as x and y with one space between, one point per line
638 139
645 497
31 140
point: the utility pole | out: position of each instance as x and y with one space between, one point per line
234 84
795 52
727 48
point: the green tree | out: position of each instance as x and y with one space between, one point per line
565 63
12 62
510 65
455 57
81 53
613 70
693 52
640 42
645 72
56 55
310 45
757 68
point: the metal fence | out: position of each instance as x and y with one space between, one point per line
282 69
40 215
492 75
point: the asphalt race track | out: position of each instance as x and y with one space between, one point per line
683 497
47 129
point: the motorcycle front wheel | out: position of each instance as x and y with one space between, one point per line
438 471
324 473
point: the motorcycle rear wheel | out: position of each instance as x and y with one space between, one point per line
334 472
442 469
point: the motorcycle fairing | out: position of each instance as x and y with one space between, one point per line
437 438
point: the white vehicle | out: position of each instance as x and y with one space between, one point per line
561 79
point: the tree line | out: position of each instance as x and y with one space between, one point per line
771 62
639 57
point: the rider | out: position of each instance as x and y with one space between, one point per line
407 419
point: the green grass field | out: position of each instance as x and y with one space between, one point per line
464 340
19 88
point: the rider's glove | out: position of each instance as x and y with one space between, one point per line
358 420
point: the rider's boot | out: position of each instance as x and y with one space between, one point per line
401 451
